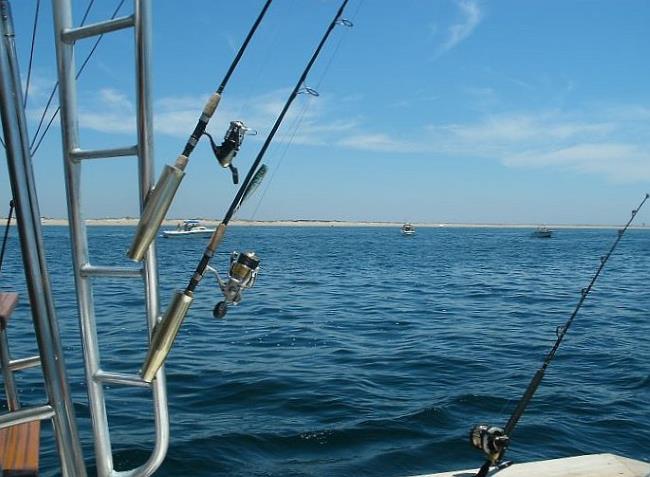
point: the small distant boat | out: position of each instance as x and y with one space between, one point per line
542 232
187 229
408 229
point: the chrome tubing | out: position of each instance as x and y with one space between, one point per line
31 242
165 333
81 263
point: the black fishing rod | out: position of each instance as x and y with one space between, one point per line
243 266
160 198
492 440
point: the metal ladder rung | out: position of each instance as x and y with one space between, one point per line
115 272
71 35
79 154
24 363
119 378
26 414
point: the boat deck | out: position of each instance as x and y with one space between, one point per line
597 465
19 444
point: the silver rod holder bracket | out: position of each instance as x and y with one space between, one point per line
155 210
165 333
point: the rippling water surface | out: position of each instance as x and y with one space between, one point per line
362 352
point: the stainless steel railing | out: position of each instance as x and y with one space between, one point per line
59 407
84 271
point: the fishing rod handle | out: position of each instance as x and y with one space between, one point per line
523 403
207 113
217 238
215 241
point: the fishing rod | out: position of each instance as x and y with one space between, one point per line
492 440
243 266
160 198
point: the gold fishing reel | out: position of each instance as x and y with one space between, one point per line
241 275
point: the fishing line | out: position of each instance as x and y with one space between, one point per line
294 131
31 57
81 69
56 85
31 53
263 65
494 441
300 118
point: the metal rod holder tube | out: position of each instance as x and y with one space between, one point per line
155 209
164 334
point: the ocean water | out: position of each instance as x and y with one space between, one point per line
362 352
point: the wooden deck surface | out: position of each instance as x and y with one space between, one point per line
597 465
19 449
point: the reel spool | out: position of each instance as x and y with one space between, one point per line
241 275
491 440
232 141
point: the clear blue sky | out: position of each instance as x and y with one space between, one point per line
432 111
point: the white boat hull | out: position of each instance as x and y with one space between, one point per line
597 465
187 233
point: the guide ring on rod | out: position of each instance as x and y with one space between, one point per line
309 91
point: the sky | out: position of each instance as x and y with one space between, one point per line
438 111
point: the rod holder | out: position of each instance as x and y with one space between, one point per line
164 334
155 209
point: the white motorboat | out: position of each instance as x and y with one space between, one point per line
542 232
408 229
189 228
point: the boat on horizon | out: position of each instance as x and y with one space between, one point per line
542 232
188 228
408 229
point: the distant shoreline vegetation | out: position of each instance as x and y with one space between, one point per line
129 221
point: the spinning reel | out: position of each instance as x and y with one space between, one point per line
491 440
232 141
241 275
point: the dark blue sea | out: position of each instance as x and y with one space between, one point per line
363 352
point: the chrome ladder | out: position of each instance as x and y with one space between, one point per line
84 271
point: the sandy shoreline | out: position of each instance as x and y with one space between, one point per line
127 221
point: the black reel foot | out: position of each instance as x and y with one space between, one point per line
220 310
